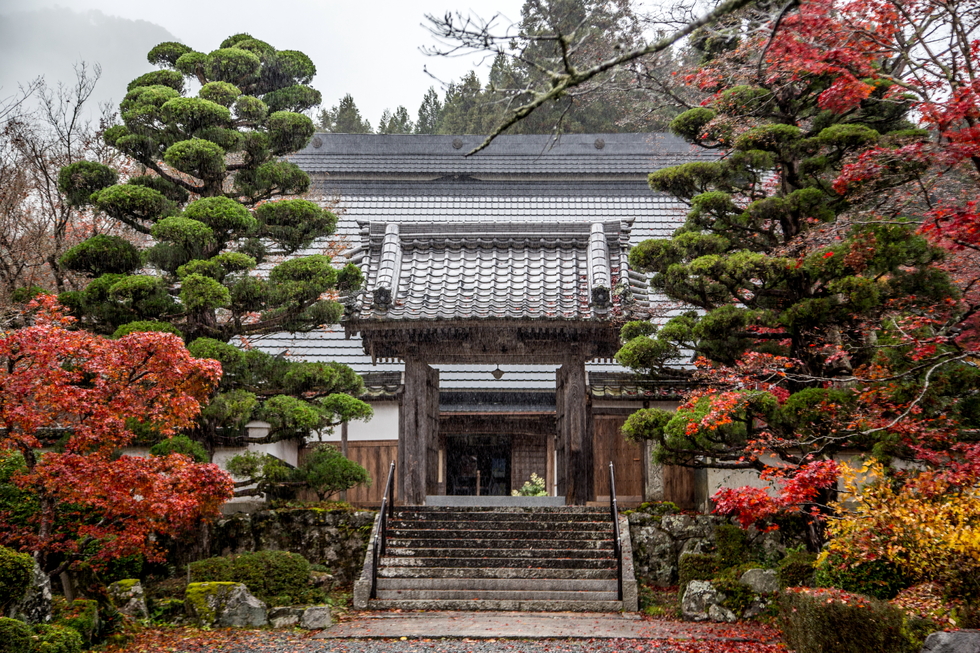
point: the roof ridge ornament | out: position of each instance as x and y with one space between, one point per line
600 275
389 267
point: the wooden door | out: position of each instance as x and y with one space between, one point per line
610 445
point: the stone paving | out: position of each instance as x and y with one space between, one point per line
518 625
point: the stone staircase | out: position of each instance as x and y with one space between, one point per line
477 558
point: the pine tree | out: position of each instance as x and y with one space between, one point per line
217 203
395 123
344 118
429 112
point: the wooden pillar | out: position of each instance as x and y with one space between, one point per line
574 446
418 425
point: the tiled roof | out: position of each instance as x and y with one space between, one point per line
571 154
654 215
465 271
519 179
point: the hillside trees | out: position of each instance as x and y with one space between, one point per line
70 400
827 320
343 118
218 208
37 225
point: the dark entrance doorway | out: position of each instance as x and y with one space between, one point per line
478 461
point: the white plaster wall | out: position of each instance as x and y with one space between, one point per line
383 426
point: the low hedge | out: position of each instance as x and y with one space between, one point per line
15 636
53 638
878 578
16 573
835 621
276 577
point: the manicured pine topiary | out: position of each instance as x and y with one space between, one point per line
217 203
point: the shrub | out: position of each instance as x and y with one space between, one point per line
878 578
533 488
276 577
326 471
796 569
732 544
52 638
738 597
82 615
659 508
834 621
15 636
697 566
181 444
16 572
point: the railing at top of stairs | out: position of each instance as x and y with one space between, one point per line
380 541
617 542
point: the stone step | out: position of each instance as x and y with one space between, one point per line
504 516
533 532
544 510
549 563
501 543
456 553
493 595
501 584
501 606
495 572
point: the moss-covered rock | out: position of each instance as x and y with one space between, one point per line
127 595
225 605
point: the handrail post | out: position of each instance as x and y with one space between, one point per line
380 541
617 544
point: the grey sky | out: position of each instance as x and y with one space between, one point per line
368 48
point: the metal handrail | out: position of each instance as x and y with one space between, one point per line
617 543
381 539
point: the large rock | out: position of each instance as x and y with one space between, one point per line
127 596
35 607
316 617
700 597
659 541
225 605
760 581
957 641
285 617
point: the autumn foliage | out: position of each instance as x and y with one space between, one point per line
832 252
70 402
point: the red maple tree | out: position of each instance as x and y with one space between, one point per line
70 402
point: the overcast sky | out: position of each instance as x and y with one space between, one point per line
368 48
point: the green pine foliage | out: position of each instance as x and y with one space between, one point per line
344 118
751 262
218 200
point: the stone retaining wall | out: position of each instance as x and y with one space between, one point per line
334 539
